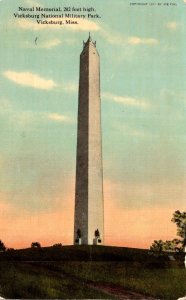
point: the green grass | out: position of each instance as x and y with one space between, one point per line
66 280
63 273
26 281
166 283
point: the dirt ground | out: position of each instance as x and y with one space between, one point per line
119 292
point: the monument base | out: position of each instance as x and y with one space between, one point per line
78 241
97 241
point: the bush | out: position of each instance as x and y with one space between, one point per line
59 245
2 247
35 245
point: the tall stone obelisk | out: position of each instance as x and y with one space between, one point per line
89 210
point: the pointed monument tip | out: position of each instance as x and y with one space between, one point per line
89 37
89 41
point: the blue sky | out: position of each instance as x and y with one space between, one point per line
143 63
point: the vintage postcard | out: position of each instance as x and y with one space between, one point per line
92 158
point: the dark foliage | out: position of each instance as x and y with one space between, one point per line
2 247
35 245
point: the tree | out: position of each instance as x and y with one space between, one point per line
157 246
59 245
173 245
36 245
2 247
179 218
10 250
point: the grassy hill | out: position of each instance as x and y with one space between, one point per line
88 253
70 272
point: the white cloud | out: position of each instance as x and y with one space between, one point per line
49 44
127 101
57 117
30 79
172 25
32 3
142 41
29 25
136 133
25 117
84 25
6 105
112 37
126 130
70 87
122 40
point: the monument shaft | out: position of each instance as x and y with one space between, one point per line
89 171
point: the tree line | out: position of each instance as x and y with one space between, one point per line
177 244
